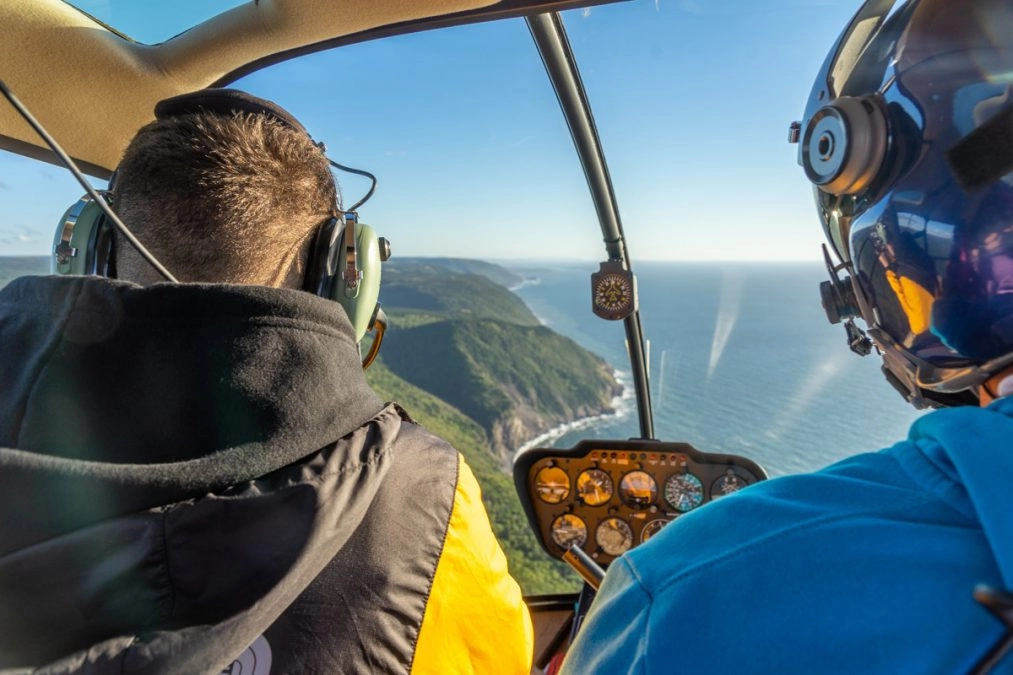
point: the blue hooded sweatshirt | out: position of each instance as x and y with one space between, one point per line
867 566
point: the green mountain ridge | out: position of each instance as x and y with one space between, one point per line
491 271
428 287
515 381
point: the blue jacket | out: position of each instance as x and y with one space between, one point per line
864 567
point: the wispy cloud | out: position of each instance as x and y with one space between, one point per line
4 186
19 235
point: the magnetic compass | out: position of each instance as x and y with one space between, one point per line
613 291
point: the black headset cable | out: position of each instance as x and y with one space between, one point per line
358 172
92 192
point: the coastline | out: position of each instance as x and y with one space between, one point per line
622 406
526 281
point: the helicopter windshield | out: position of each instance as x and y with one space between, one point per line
149 22
475 163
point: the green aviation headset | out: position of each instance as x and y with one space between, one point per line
345 258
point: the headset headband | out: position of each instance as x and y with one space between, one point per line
224 102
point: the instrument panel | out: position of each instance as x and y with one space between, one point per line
610 496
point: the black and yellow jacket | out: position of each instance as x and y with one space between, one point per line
199 480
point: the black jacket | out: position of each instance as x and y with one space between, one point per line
199 467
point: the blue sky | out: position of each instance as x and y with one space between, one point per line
692 100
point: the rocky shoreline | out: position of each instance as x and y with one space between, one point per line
620 406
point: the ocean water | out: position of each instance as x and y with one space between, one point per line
742 361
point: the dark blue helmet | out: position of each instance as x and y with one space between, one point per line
908 140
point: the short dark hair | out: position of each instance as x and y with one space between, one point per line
226 199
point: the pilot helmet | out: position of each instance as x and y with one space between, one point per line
908 141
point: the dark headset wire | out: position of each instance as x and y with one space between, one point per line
92 192
358 172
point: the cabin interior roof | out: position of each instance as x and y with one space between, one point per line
93 88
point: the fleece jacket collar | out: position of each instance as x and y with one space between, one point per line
116 398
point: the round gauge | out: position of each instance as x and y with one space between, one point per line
613 293
552 485
614 536
684 492
652 528
638 489
727 484
569 530
594 486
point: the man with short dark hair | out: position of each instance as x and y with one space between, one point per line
898 561
223 199
200 469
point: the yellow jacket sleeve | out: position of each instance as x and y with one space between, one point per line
475 620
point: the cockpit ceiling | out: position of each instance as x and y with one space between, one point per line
93 88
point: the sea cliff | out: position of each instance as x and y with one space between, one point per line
467 339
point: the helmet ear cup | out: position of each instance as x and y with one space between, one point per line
83 243
844 146
347 270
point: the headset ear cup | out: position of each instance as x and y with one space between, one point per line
321 267
845 144
326 271
101 258
82 241
359 297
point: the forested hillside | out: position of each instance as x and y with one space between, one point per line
516 381
471 362
535 571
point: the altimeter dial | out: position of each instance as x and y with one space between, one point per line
684 492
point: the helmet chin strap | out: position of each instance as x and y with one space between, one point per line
1005 387
996 387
